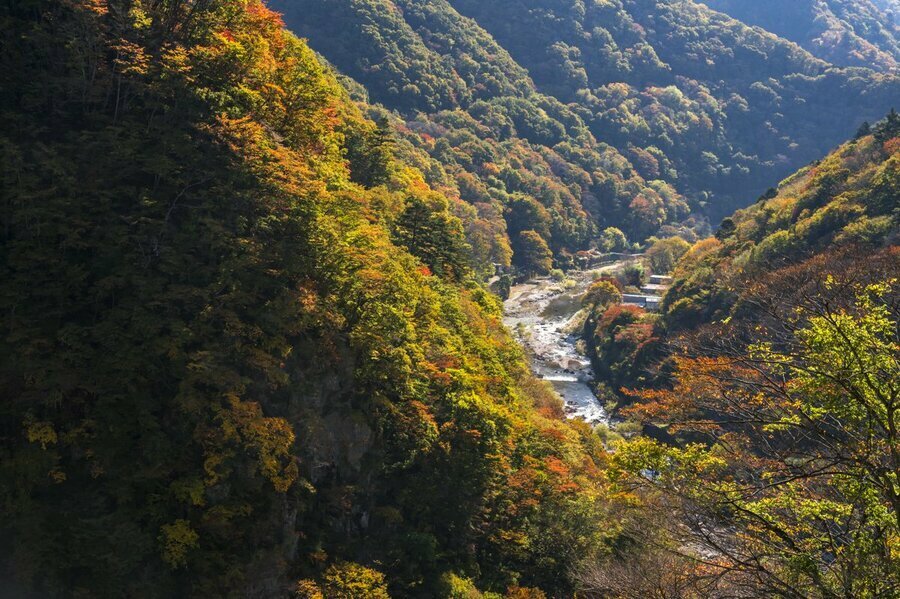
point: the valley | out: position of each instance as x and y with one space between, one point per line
260 337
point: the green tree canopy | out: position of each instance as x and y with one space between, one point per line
428 231
613 240
663 254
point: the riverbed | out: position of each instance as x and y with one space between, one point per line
543 315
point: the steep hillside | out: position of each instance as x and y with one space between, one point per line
506 147
850 198
243 354
836 213
843 32
719 107
767 390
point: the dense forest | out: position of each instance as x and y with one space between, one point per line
844 32
248 349
231 365
768 387
642 107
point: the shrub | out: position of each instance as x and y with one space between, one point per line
352 581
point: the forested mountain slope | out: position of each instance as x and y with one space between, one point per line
851 198
243 353
506 148
728 107
844 206
844 32
688 96
768 388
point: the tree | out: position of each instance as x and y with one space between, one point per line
621 341
632 275
601 294
650 573
864 130
428 230
527 214
802 451
369 153
489 244
532 254
889 128
768 195
502 286
664 254
307 589
726 229
613 240
352 581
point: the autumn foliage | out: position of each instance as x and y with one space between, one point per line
244 350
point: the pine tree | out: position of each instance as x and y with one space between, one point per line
726 229
864 130
889 128
428 231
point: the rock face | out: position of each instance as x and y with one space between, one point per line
338 436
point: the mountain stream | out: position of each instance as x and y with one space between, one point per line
543 315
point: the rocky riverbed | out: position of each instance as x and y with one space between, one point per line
543 314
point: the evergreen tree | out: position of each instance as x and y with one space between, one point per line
532 254
888 128
428 231
864 130
369 153
726 229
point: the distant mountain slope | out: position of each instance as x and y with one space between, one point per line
843 32
727 106
506 148
695 103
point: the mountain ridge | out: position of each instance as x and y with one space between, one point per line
857 33
627 72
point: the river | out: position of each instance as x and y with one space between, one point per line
543 316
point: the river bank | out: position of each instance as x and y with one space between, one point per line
543 315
